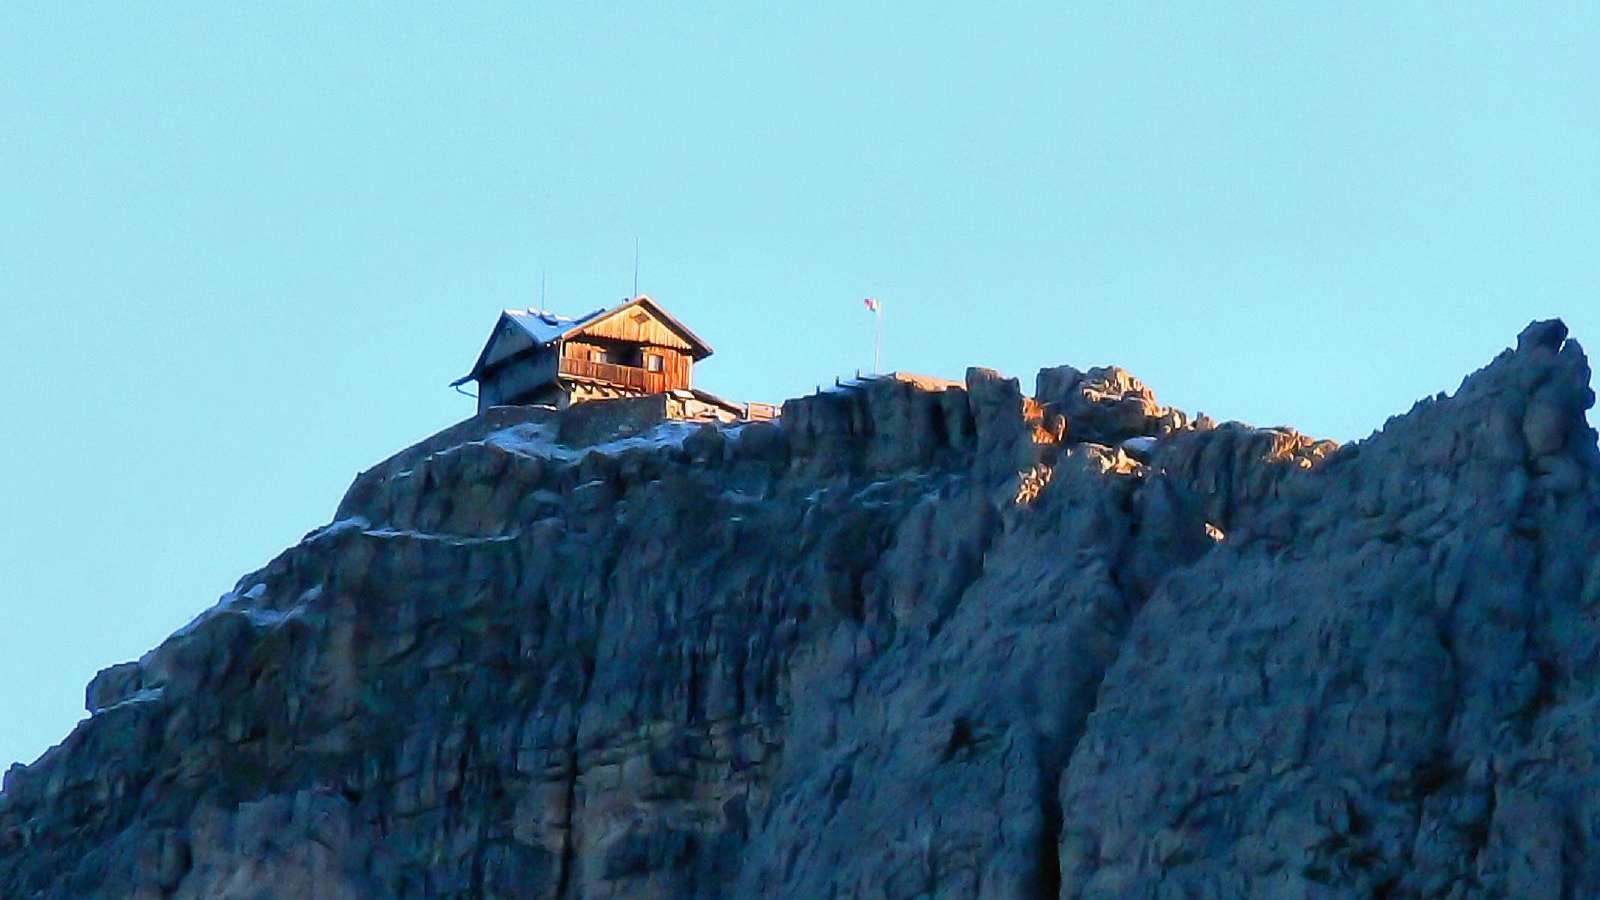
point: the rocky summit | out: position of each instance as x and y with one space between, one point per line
911 639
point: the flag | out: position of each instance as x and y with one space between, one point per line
873 305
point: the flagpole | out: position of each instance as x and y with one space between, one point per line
876 308
877 337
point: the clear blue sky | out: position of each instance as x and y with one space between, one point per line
242 251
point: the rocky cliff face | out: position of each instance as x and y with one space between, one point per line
904 642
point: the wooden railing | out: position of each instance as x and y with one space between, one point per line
757 412
631 377
634 378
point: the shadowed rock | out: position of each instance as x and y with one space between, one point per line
913 639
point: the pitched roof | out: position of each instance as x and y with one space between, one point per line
697 345
545 327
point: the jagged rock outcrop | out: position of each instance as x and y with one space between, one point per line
1386 686
1105 405
901 642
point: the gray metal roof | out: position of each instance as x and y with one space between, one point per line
545 326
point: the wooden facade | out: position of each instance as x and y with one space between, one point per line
633 349
650 368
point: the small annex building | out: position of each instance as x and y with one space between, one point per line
535 357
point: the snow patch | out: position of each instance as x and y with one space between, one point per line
538 439
142 695
460 540
247 604
1139 446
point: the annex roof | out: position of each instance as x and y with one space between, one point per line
544 326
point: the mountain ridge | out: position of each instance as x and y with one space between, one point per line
900 642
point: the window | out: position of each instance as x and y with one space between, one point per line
597 355
653 362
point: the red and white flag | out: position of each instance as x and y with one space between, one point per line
873 305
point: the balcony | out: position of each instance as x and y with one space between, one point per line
632 378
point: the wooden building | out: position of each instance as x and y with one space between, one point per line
535 357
